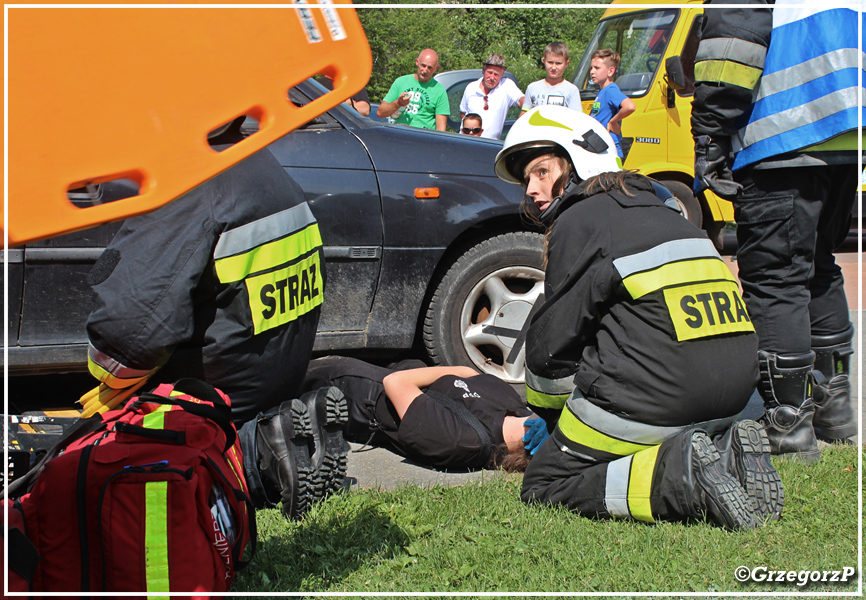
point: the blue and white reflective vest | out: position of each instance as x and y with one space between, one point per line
810 90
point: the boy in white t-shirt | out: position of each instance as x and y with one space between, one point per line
553 89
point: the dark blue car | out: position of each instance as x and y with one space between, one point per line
425 248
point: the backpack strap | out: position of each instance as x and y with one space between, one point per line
23 556
220 413
465 415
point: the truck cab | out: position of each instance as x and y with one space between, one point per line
657 46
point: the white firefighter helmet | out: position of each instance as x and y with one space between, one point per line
586 141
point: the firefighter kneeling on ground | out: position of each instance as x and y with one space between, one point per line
641 349
225 284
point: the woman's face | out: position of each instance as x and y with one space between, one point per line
540 175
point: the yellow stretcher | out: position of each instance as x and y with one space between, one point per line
102 94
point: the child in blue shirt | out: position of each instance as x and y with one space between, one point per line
611 106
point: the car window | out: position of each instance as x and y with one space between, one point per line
299 99
641 39
455 95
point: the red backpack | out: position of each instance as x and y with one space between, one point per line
150 498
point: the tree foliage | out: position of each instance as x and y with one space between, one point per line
466 35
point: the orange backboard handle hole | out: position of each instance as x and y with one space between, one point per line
95 193
250 125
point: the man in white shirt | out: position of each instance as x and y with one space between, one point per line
491 96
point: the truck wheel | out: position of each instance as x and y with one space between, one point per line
686 200
477 312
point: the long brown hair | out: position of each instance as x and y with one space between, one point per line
512 461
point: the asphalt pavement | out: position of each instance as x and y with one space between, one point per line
377 467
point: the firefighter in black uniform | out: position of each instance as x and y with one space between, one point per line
642 347
446 417
775 120
224 284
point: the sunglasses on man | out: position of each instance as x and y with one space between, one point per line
472 130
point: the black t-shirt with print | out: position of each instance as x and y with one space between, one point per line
435 434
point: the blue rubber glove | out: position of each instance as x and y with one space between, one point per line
535 435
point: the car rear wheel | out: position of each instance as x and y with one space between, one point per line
477 313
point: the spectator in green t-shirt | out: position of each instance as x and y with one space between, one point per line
418 100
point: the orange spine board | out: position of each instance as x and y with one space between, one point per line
97 94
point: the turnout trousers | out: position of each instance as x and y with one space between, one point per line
598 475
789 222
648 485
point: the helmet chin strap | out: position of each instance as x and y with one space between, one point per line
549 214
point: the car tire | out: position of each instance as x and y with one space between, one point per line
477 312
686 200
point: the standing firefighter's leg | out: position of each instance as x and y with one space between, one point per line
786 387
834 415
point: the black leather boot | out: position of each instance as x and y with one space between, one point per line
745 451
713 486
284 437
328 410
835 418
786 387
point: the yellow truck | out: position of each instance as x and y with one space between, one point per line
657 44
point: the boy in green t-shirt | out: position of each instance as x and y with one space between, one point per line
418 100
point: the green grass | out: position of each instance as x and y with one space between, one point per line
482 538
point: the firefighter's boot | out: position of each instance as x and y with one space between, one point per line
277 458
835 418
329 414
745 451
713 486
786 387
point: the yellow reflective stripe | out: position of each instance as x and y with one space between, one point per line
707 309
580 433
724 71
846 141
155 419
640 484
234 470
542 400
156 536
111 380
679 273
279 297
269 255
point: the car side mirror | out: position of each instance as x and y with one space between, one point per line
675 77
674 74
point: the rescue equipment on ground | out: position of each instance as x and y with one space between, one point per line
154 499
